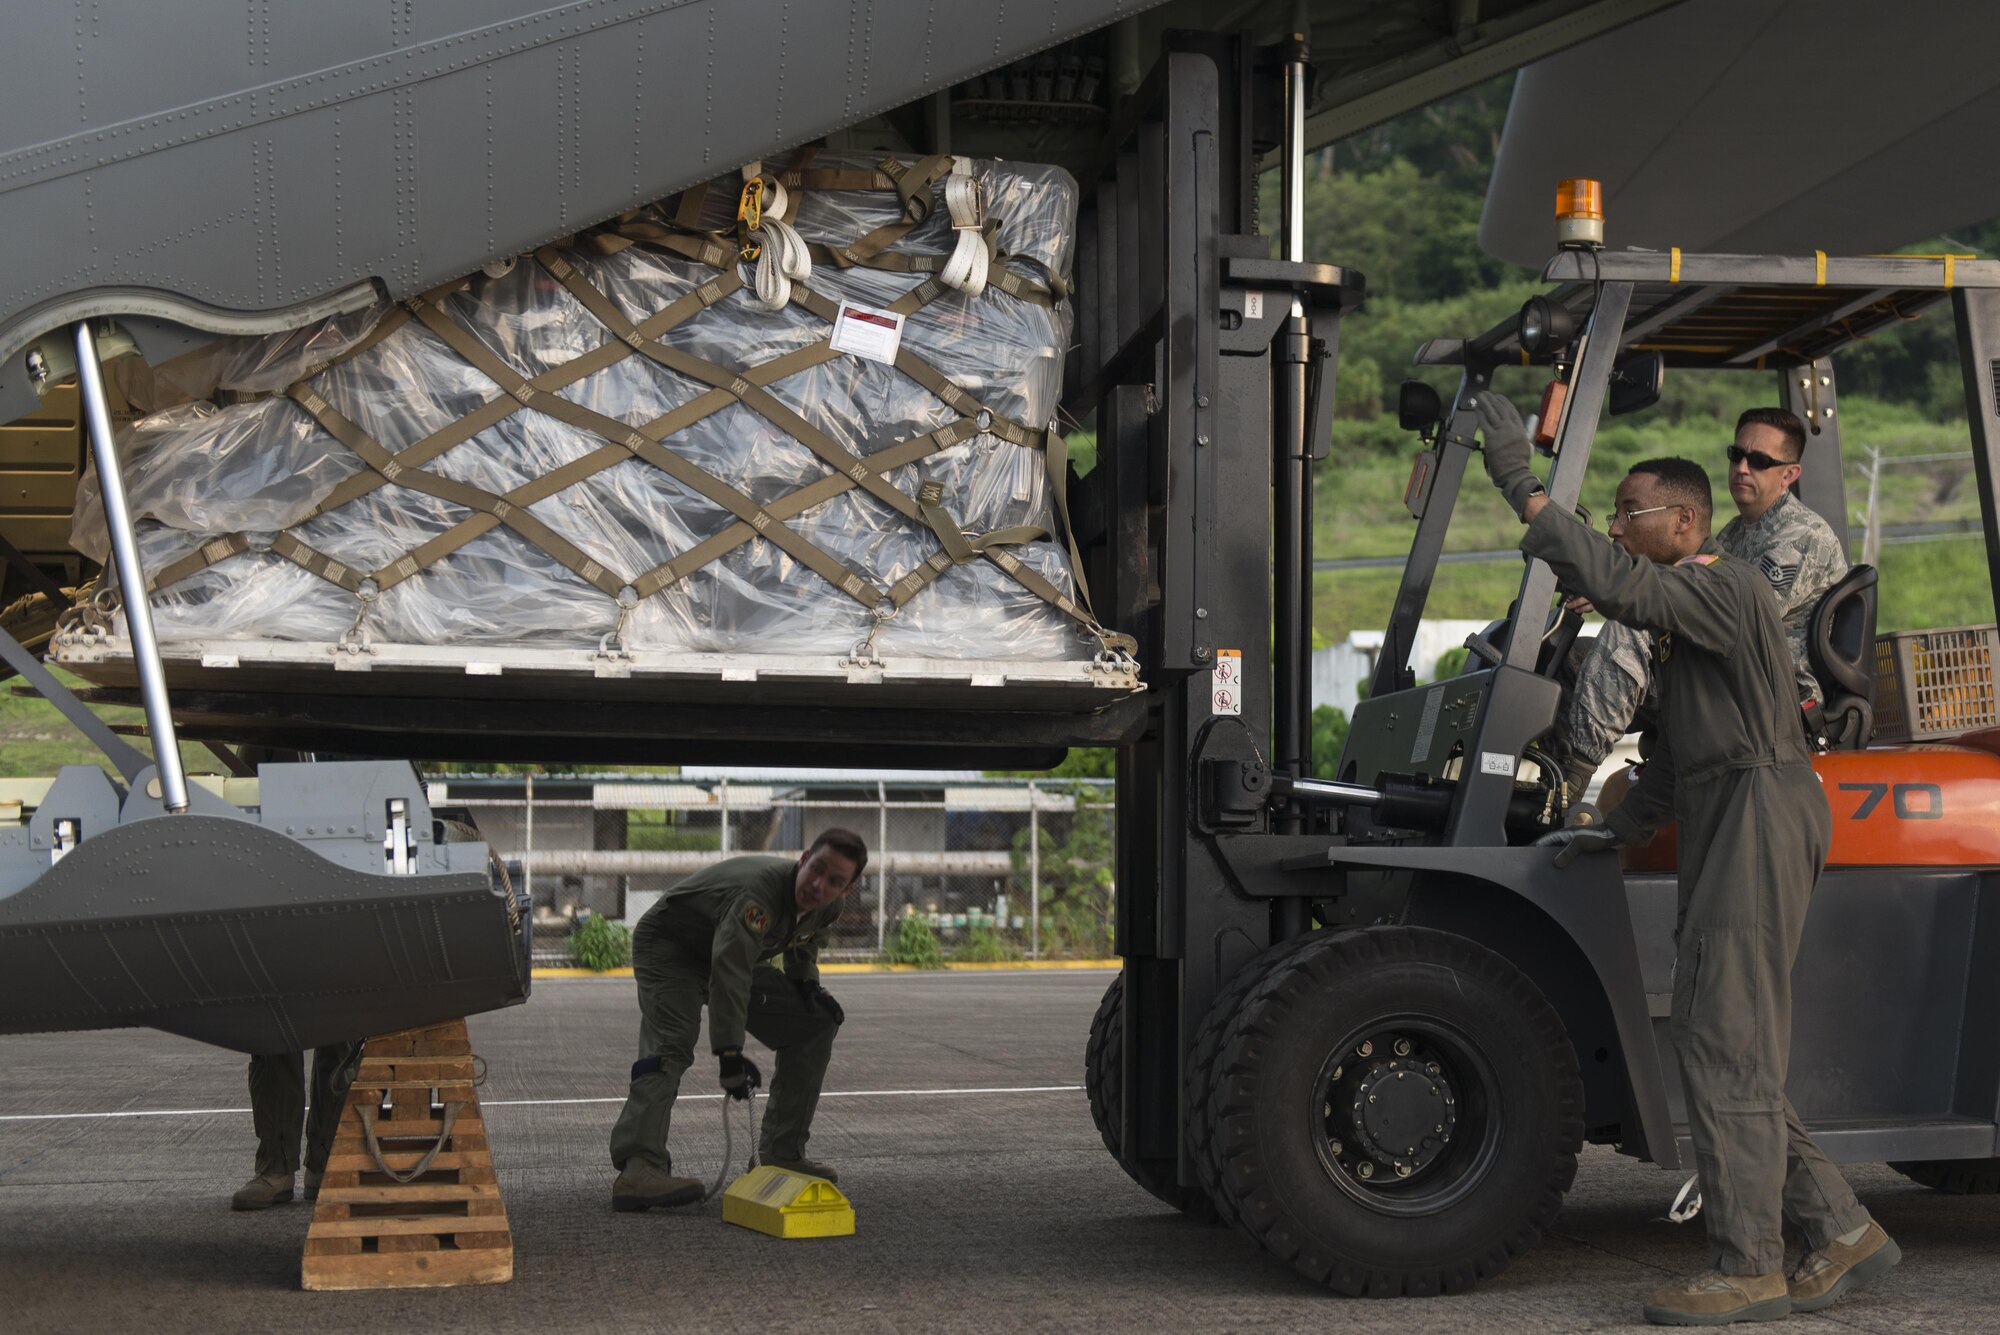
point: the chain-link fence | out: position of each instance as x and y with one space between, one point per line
977 871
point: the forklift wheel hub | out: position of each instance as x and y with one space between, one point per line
1406 1117
1404 1113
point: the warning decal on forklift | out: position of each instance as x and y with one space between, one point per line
1227 686
1496 762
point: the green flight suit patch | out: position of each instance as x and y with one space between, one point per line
756 919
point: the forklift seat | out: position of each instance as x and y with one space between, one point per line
1840 645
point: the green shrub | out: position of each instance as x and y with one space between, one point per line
1329 739
601 944
915 943
984 945
1452 662
1079 925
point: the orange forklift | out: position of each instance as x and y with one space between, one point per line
1394 1102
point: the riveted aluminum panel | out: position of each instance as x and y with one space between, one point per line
250 158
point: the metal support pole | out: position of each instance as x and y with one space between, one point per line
1871 542
881 863
528 841
1291 678
131 577
1034 873
722 790
1810 392
1977 313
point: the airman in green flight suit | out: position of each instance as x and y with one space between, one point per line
706 943
1732 768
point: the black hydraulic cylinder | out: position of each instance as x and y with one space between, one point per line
1292 501
1406 801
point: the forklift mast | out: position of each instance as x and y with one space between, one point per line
1209 366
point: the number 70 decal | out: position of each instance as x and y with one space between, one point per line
1910 801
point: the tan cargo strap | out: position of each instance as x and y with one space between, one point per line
913 182
501 511
642 443
208 554
638 441
930 506
457 433
835 178
749 394
1056 456
798 502
961 402
913 187
894 261
549 382
726 387
986 544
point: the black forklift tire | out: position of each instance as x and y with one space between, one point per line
1102 1058
1196 1076
1465 1037
1957 1177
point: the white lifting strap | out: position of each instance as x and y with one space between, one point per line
966 270
1687 1202
784 258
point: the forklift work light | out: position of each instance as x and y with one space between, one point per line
1545 327
1580 213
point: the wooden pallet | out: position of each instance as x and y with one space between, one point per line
446 1228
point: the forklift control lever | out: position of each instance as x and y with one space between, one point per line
1405 801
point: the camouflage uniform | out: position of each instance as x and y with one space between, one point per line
1790 544
709 940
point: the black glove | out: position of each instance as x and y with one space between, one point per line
739 1074
1573 840
1506 451
813 994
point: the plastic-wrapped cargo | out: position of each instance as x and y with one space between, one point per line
804 415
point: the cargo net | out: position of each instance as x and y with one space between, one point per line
798 412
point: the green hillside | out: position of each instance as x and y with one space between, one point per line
35 739
1401 203
1940 581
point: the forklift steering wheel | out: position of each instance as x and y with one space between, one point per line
1558 637
1558 641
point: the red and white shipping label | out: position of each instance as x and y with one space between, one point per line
867 332
1227 682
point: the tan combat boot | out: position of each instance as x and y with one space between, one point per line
642 1185
810 1167
1715 1299
1824 1276
262 1192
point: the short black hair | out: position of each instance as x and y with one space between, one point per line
1787 422
844 842
1682 482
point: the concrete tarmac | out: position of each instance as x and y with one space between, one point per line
956 1119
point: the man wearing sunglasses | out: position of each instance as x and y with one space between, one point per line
1733 768
1774 531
